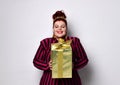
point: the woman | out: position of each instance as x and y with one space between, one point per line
42 59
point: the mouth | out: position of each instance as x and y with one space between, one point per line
59 32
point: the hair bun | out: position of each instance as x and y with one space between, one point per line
58 14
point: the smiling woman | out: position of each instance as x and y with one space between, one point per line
59 29
59 24
42 59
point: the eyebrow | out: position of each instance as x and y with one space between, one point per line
60 25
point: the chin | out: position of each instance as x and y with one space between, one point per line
60 36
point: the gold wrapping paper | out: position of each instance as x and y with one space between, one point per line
61 55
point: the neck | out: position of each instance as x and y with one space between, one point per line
59 37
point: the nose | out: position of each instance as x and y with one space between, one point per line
60 28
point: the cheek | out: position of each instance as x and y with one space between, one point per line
64 29
55 31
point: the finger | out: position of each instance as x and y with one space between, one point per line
50 68
51 61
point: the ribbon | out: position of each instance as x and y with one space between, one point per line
60 51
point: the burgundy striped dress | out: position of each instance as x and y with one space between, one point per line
42 58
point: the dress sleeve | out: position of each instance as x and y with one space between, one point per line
39 60
80 55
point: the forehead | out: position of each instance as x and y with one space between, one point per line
60 22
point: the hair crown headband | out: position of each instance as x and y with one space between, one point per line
60 18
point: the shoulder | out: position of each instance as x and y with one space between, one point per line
46 41
74 38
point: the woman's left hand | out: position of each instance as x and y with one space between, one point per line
50 64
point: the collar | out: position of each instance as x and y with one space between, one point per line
55 40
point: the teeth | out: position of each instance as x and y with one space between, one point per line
59 31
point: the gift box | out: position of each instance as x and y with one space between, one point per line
61 56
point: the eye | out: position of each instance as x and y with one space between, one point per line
63 26
56 26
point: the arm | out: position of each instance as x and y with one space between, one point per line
80 55
39 60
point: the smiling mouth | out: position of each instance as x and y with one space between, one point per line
59 32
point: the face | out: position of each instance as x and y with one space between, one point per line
59 29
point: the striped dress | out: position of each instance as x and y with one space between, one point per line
42 58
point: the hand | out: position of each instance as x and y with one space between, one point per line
50 64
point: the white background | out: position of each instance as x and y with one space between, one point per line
23 23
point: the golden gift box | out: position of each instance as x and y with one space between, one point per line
61 56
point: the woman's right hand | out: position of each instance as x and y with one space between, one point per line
50 64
